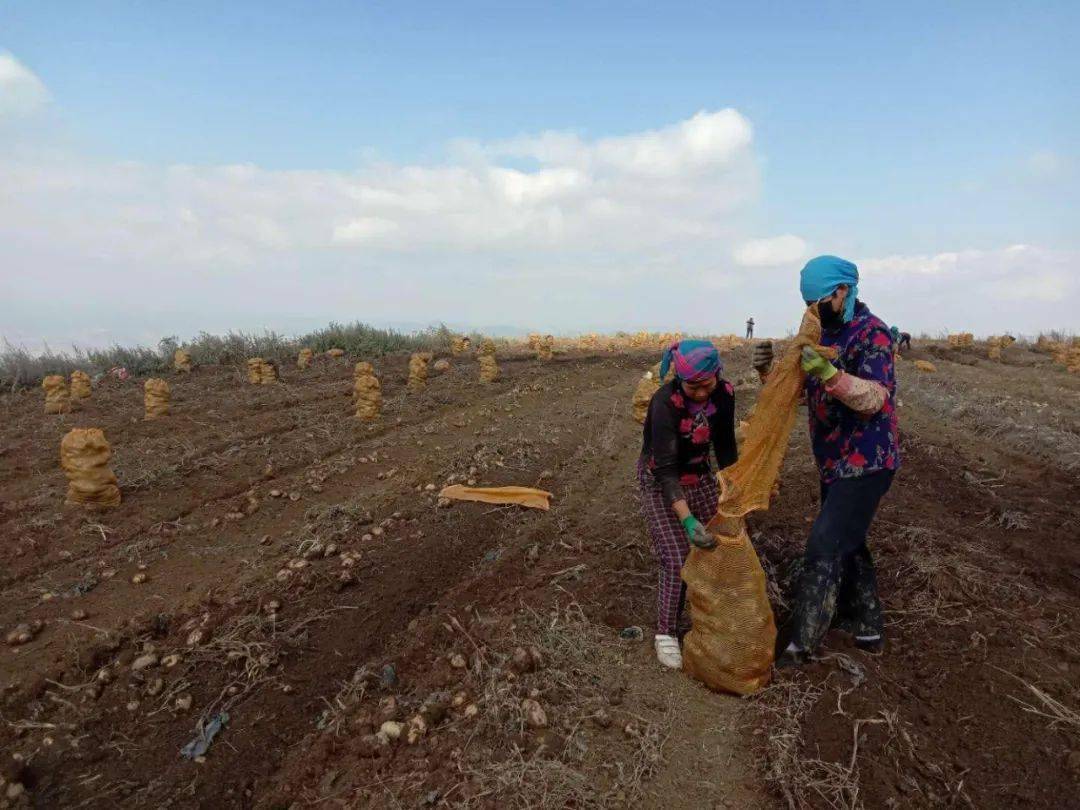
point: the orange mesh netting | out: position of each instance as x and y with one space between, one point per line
522 496
730 647
84 455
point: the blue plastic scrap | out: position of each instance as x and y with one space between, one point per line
205 734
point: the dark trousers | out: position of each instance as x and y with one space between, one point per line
905 341
837 584
749 332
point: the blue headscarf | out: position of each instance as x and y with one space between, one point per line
694 360
821 277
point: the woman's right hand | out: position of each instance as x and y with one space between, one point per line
698 534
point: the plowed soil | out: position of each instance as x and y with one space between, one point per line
298 576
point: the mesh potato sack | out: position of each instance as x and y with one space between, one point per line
367 391
335 352
545 348
57 398
643 395
156 398
418 371
80 385
254 370
303 360
268 374
181 361
458 345
731 645
84 456
489 368
925 366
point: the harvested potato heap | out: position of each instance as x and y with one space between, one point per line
418 371
181 362
156 398
545 348
254 370
268 373
84 455
962 340
57 398
335 353
80 385
731 645
366 391
489 368
303 360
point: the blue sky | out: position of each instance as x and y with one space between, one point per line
899 132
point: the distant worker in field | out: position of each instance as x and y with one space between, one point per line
853 431
749 327
901 339
677 485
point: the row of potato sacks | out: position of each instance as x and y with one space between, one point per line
59 398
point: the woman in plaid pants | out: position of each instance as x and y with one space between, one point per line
677 484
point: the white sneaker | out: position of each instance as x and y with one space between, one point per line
668 652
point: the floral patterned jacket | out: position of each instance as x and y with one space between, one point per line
848 443
675 444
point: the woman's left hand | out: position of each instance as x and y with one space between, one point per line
698 534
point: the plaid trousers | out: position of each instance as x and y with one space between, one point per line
669 542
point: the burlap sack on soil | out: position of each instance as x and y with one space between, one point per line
80 385
268 374
156 397
181 362
489 368
730 647
84 455
418 371
57 398
303 360
254 370
367 391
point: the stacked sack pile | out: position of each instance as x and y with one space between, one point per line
489 368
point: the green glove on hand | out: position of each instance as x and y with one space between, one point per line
817 366
698 534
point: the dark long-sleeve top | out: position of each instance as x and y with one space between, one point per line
675 442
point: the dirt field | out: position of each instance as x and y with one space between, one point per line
300 577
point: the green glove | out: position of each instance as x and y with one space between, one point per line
816 365
698 534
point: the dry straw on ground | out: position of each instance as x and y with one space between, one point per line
84 456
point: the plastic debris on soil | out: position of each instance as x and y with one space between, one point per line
204 735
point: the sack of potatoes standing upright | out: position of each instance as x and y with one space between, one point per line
303 360
80 385
268 374
181 361
418 371
84 456
367 391
57 398
254 370
156 397
545 348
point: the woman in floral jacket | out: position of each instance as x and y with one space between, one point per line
678 489
853 431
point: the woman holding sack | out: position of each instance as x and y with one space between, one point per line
676 481
853 431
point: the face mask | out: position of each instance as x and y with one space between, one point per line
829 318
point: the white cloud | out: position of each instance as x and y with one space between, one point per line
1046 164
21 91
1017 288
775 251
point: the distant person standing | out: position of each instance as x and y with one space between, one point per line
749 328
